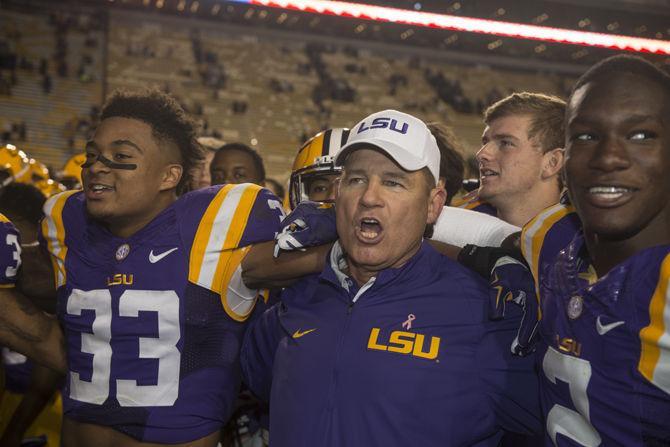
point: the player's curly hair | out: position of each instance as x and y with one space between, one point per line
168 121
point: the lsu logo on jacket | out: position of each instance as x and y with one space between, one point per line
405 343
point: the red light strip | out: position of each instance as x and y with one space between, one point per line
443 21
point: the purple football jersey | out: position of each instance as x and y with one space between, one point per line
10 252
153 322
605 350
544 236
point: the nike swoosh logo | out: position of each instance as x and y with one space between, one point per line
298 334
605 328
155 258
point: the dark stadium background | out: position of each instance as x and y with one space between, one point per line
271 77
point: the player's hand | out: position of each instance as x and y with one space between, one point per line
310 224
511 281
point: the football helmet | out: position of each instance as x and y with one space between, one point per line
314 159
36 172
71 174
13 164
49 187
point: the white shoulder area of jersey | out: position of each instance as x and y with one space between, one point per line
460 226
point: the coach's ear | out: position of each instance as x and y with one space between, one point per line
171 176
552 162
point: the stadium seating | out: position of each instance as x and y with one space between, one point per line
249 86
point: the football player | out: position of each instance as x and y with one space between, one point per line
148 280
314 174
605 355
236 163
521 157
31 406
313 178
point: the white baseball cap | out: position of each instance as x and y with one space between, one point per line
404 138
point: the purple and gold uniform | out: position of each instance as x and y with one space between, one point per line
544 236
10 253
153 322
605 350
475 204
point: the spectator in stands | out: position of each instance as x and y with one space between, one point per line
237 163
46 84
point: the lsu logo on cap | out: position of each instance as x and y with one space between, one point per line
383 123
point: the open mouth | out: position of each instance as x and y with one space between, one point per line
370 229
98 189
487 173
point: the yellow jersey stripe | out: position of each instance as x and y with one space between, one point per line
235 232
212 236
53 230
202 234
532 239
3 218
654 362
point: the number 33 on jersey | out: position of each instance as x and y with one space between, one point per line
153 322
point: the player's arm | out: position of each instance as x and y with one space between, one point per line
36 278
460 227
261 270
300 247
258 351
26 329
44 383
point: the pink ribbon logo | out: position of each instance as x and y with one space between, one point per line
408 324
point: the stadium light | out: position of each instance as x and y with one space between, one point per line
468 24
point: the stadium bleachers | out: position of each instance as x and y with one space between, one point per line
33 36
210 67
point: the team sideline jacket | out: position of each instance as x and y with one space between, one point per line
409 359
153 322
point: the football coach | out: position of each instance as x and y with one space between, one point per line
390 345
